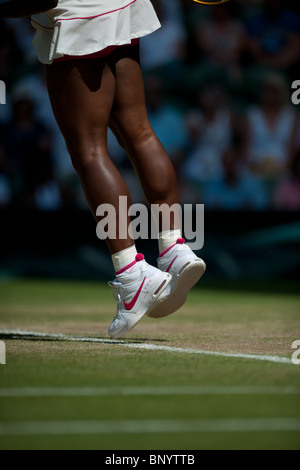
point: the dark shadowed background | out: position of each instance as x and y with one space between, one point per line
219 92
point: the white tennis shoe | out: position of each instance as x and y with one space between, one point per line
186 270
138 290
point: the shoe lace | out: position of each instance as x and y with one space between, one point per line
116 291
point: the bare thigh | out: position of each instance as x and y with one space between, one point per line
82 94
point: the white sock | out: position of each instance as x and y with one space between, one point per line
167 239
124 258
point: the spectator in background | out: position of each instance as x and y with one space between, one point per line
222 40
287 193
24 34
236 190
165 50
211 130
33 85
41 190
275 36
26 145
271 130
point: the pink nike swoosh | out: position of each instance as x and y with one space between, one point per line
171 264
130 305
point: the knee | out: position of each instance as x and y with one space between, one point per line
133 133
84 156
142 133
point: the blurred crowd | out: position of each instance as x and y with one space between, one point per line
218 84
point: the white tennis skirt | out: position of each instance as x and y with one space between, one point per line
91 28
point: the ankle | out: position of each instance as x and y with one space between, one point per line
124 258
167 240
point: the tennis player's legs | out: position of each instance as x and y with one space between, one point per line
82 93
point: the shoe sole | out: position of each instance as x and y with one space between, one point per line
160 290
186 279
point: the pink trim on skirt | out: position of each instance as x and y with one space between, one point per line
104 53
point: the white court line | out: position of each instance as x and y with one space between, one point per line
40 392
46 428
146 346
